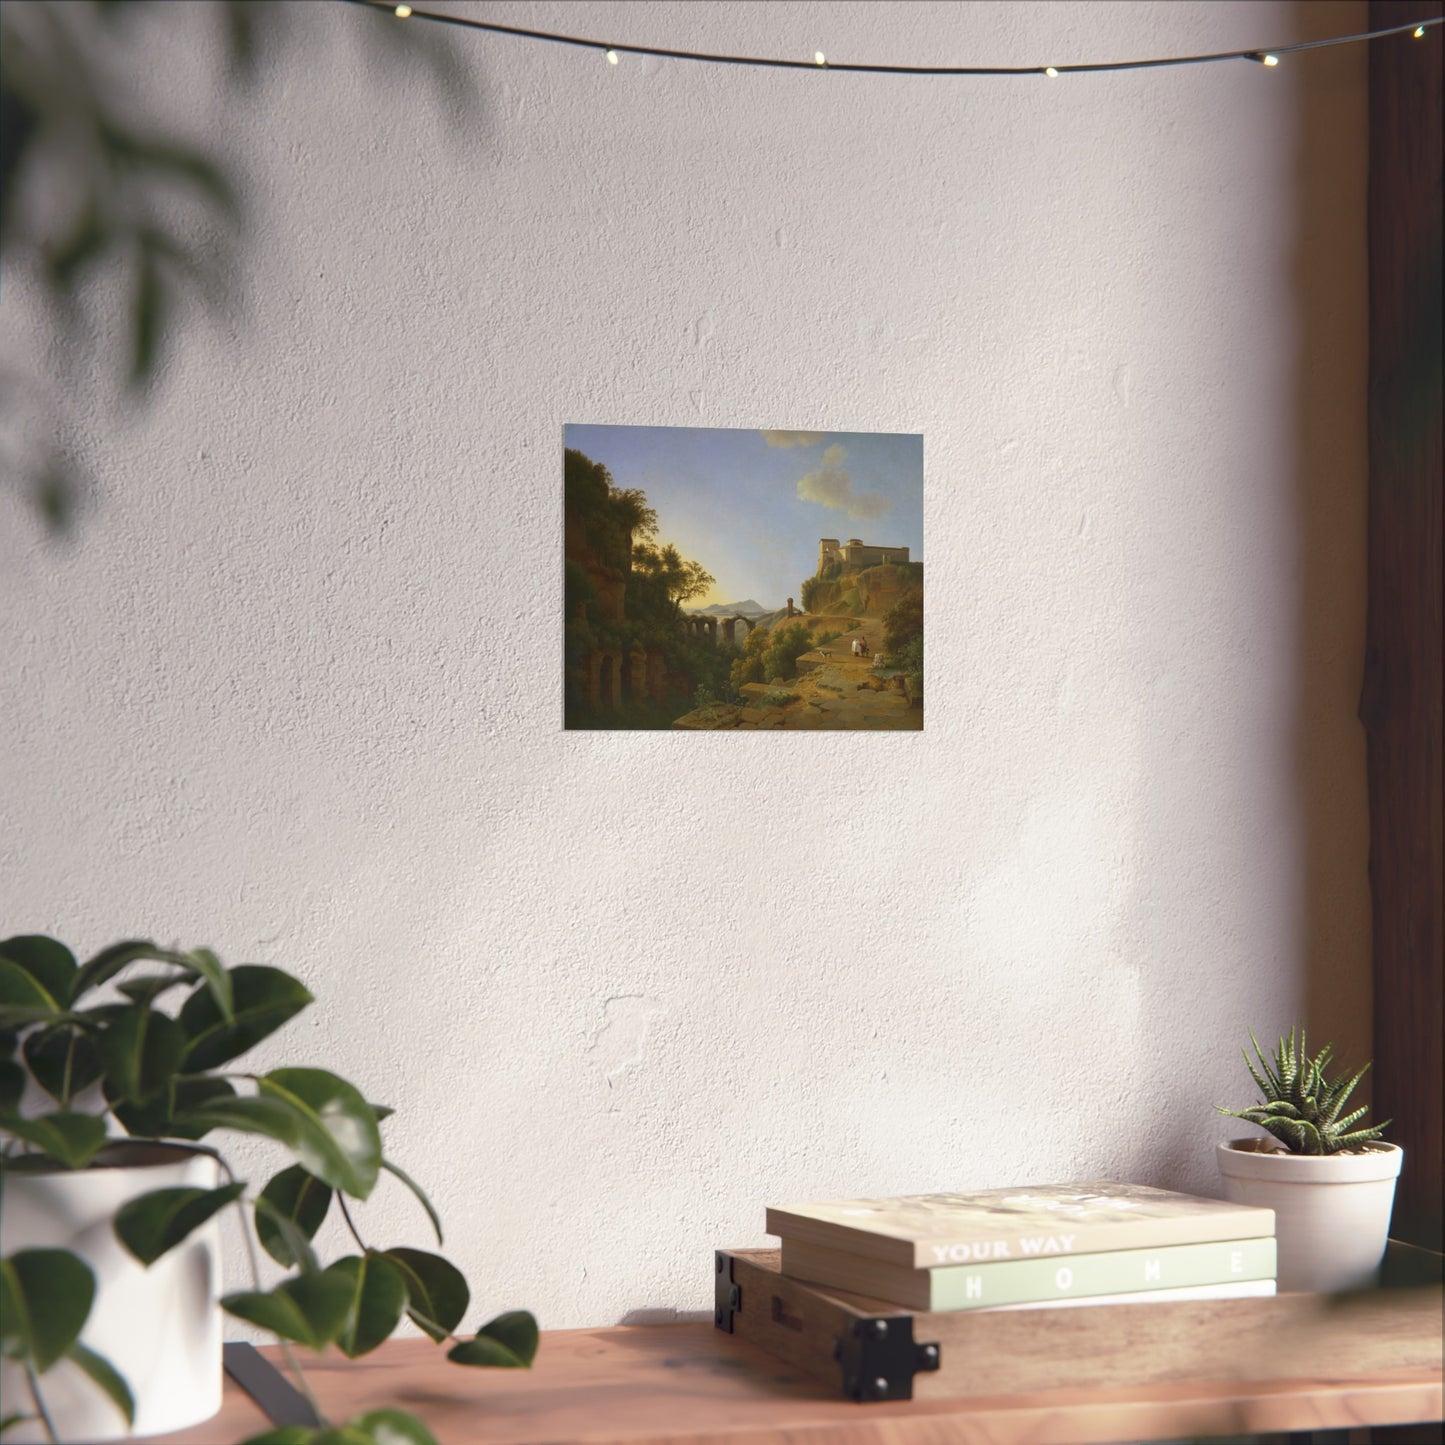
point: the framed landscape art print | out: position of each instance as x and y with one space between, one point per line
742 580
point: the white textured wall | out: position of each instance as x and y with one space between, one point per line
293 691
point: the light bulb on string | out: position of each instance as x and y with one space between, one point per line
1260 57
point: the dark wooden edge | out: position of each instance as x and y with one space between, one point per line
864 1355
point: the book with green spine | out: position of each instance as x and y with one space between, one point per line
1034 1281
923 1231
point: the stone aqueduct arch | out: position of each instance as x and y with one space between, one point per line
615 677
729 628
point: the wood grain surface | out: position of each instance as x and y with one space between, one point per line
695 1385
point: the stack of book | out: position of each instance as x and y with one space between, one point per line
1031 1247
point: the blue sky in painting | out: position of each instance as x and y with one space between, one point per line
751 505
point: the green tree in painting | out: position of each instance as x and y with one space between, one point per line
615 529
680 579
903 634
749 667
788 644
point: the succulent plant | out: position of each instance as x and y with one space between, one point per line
1301 1108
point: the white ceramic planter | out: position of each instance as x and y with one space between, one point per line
1331 1212
160 1327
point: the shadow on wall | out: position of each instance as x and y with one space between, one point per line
1324 905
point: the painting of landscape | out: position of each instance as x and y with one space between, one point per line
742 580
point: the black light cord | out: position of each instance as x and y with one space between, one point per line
612 50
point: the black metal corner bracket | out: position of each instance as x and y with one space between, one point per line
880 1358
727 1296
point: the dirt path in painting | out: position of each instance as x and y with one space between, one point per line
834 691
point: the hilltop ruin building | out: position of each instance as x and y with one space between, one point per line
855 555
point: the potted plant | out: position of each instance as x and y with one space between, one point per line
1331 1186
111 1085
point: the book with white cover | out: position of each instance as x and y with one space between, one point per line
924 1231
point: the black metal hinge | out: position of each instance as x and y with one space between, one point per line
727 1296
880 1358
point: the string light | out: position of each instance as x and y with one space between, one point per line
1260 56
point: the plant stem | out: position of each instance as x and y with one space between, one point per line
39 1403
346 1215
69 1067
286 1354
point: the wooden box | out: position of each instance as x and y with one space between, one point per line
871 1350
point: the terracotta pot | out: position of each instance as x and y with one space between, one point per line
1331 1211
160 1327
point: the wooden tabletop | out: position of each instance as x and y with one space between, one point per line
694 1385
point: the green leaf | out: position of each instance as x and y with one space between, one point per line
141 1051
11 1421
392 1427
210 968
437 1293
14 1323
295 1243
382 1111
416 1189
341 1435
87 238
73 1139
45 1299
23 999
1361 1136
296 1196
160 1118
148 989
507 1342
310 1310
12 1086
147 316
63 1060
264 998
378 1296
340 1143
284 1435
50 964
269 1117
104 1374
331 1143
109 962
151 1224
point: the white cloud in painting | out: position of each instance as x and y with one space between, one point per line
831 486
792 438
